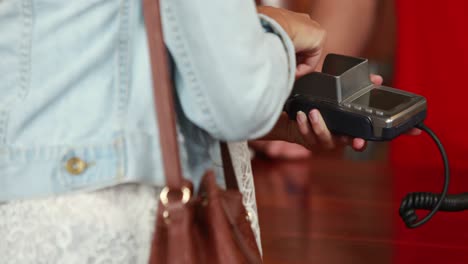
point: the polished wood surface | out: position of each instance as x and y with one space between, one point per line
332 210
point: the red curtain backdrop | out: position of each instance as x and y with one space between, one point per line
432 60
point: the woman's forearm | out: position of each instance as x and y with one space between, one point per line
233 75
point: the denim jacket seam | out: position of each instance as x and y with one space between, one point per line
49 152
271 26
24 67
123 62
106 155
3 125
123 78
26 48
187 68
119 139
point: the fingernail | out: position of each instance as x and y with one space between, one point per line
313 115
359 143
301 117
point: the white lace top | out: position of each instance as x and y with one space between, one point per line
113 225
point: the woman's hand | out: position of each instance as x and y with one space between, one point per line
310 131
306 34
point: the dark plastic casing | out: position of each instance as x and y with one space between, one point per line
352 105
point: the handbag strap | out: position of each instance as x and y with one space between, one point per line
229 174
163 96
164 101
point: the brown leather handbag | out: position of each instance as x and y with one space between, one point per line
212 226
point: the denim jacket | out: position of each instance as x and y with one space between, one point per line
76 109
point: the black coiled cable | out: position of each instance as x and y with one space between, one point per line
429 201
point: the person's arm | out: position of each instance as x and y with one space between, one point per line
233 75
348 24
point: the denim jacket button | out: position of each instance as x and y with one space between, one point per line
76 166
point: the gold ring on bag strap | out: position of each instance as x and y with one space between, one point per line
163 196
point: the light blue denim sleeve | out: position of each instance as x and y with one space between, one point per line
232 75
